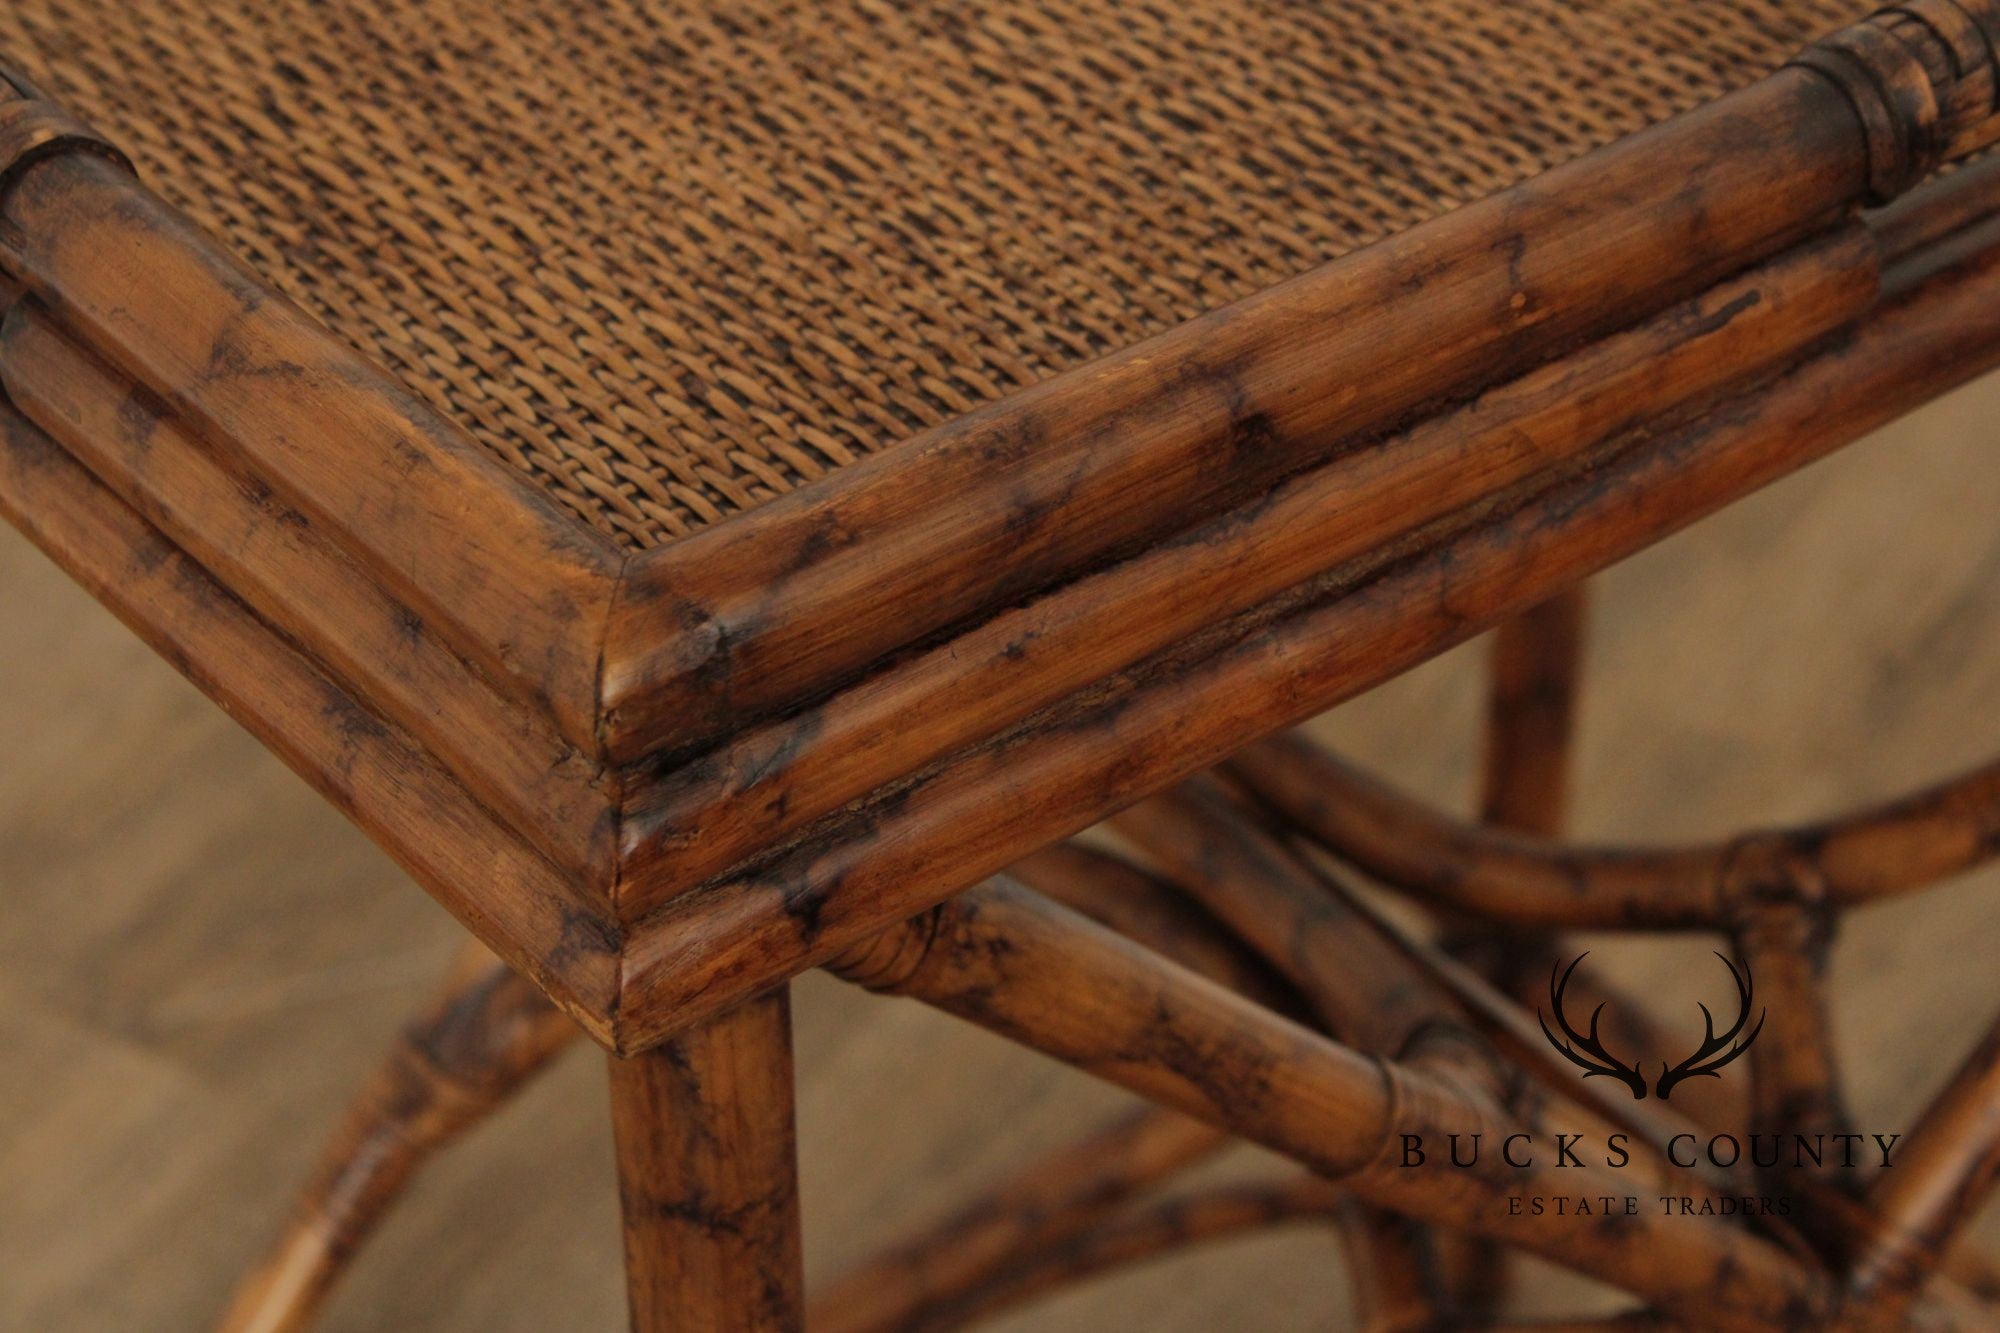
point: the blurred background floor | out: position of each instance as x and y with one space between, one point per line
199 959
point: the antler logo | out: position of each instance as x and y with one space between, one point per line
1594 1060
1587 1052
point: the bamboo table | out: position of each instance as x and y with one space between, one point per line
608 614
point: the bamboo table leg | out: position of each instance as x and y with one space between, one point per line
707 1175
1531 709
1531 716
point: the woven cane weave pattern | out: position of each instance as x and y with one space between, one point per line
674 259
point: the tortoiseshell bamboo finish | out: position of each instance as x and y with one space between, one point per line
660 784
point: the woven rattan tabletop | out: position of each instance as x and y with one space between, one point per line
674 259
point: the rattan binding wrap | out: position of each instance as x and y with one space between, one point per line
672 260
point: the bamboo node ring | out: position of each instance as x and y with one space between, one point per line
1924 79
34 128
886 962
1767 869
